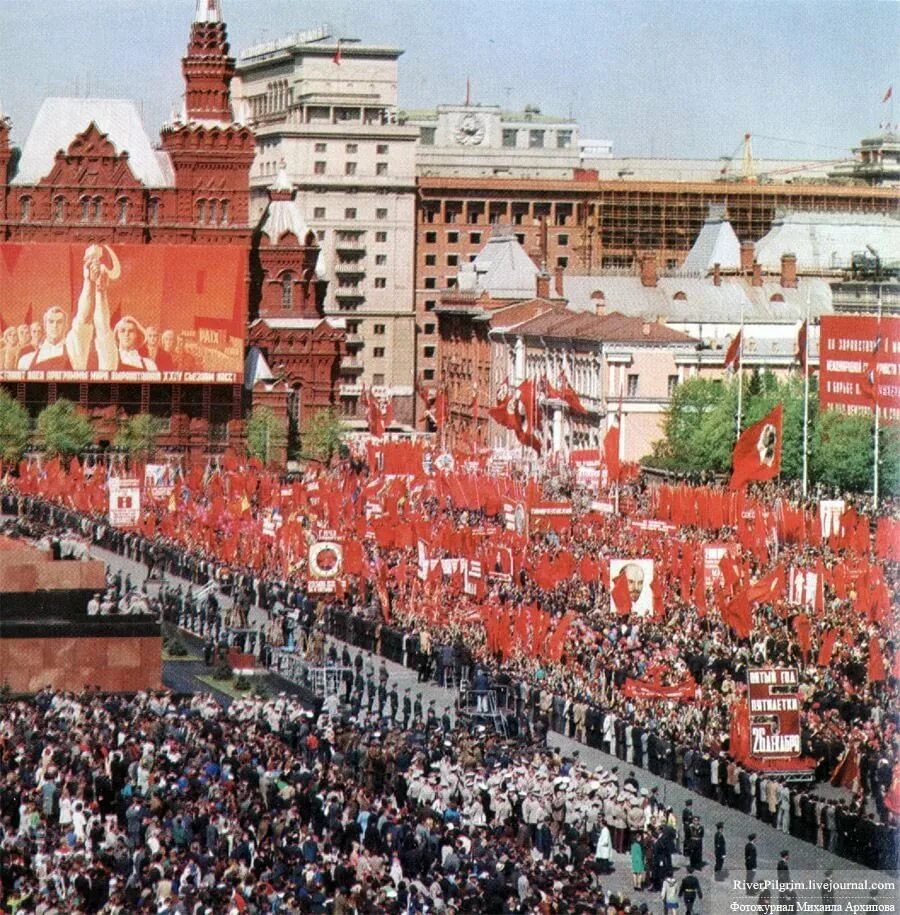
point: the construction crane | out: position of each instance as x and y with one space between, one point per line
748 164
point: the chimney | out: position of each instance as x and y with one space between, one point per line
645 328
542 284
756 278
648 268
558 281
747 251
789 271
717 274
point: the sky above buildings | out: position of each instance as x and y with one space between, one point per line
806 79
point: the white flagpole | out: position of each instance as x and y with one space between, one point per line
806 402
740 376
877 410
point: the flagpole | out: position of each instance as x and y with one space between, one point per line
806 401
740 375
877 409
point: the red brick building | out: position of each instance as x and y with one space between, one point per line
157 238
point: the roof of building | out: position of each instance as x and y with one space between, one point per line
645 168
613 327
208 11
513 315
716 244
501 268
302 323
60 120
256 369
828 240
699 300
283 215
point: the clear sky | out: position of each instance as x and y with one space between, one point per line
656 78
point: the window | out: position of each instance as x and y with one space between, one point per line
98 209
430 260
475 238
430 283
319 168
350 213
201 212
381 168
320 235
380 282
85 209
672 384
426 135
377 379
450 282
564 139
381 213
349 168
430 238
59 209
287 291
378 352
562 262
453 237
318 212
223 210
321 147
535 139
429 374
429 304
520 238
380 260
378 330
353 327
562 239
25 209
429 352
352 148
452 260
381 149
211 214
428 330
153 211
510 138
122 206
632 386
381 236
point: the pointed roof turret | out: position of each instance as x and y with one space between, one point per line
208 11
207 67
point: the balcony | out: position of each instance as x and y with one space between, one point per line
352 365
353 389
354 340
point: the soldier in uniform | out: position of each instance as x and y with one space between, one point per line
719 848
417 709
407 708
394 699
370 690
431 721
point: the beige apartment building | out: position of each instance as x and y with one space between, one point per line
326 110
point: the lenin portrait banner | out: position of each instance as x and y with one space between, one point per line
98 312
859 353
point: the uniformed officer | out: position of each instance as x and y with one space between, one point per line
394 699
370 691
719 848
407 708
417 709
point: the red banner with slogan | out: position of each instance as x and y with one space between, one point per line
774 705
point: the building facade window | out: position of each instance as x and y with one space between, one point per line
122 207
378 352
380 282
535 139
380 260
475 238
350 213
381 168
564 139
427 135
352 149
632 388
381 236
672 384
318 212
319 168
287 291
430 238
378 379
510 138
381 213
378 329
59 209
153 211
201 212
25 209
349 168
430 260
381 149
321 147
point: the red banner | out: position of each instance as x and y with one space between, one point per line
848 355
90 312
774 712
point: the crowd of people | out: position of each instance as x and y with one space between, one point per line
176 806
582 692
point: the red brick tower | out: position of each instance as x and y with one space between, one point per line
207 68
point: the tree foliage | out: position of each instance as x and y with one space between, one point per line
322 436
14 429
699 433
63 429
139 435
266 434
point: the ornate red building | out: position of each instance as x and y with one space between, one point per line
89 182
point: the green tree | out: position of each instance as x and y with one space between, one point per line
323 436
14 429
266 434
139 435
63 429
843 451
889 461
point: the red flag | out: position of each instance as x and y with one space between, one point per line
800 355
888 94
569 395
757 454
801 626
336 59
826 648
736 613
846 772
502 411
621 596
733 353
876 661
659 603
611 453
869 382
525 416
769 588
441 409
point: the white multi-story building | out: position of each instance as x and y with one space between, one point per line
477 141
326 110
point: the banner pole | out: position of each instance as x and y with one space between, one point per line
740 377
806 402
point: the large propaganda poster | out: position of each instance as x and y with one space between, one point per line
124 501
98 312
774 703
848 355
639 576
